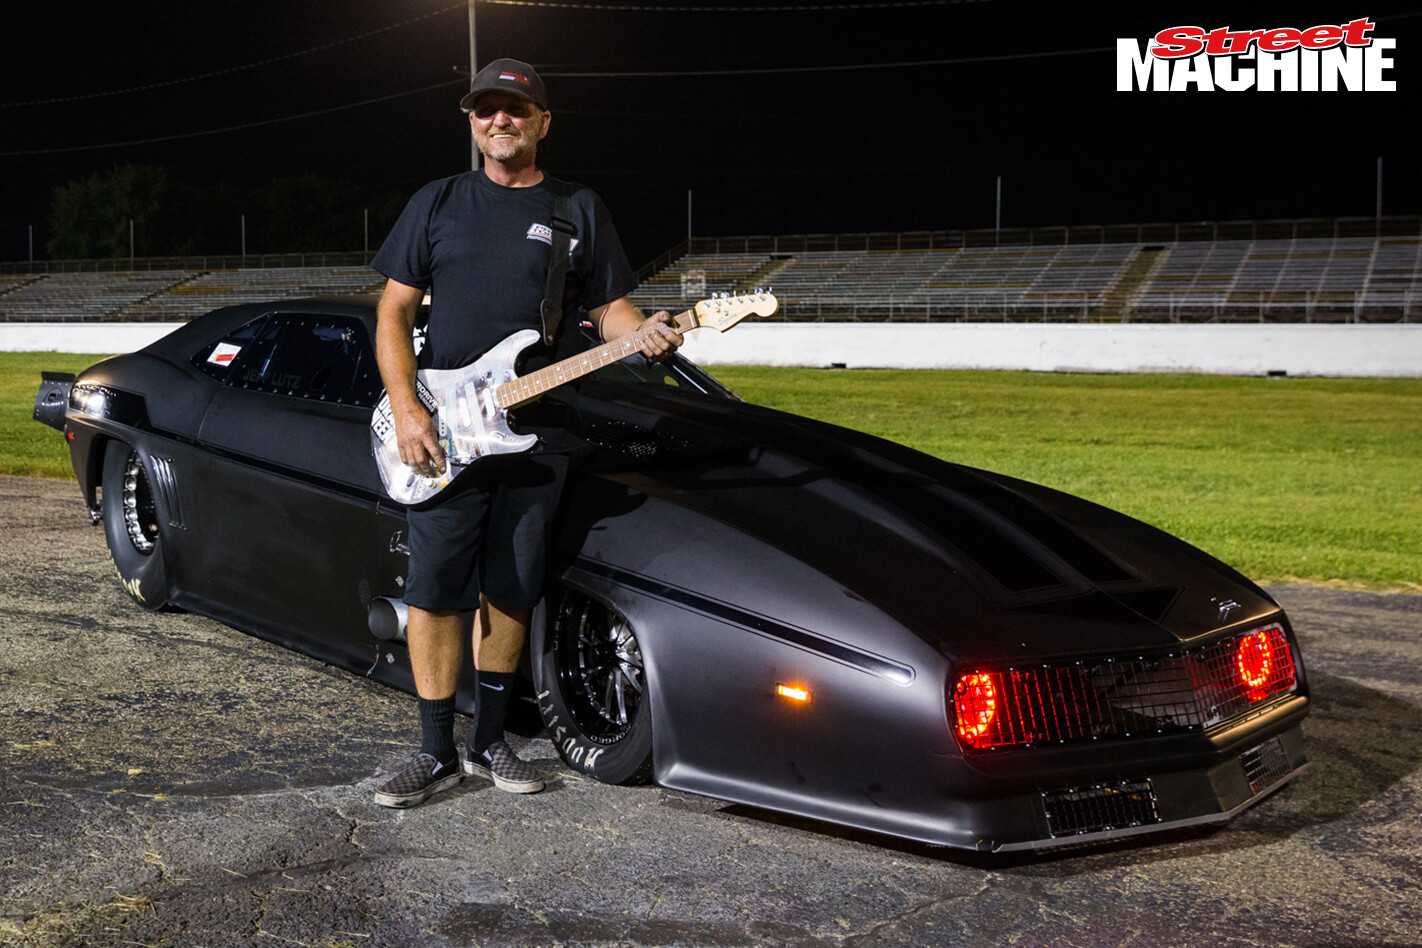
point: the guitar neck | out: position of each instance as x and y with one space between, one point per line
526 388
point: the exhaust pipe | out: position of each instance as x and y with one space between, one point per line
387 619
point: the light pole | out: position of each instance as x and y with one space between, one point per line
473 71
1378 213
997 220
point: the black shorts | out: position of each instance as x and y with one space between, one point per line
487 533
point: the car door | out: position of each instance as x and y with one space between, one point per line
296 540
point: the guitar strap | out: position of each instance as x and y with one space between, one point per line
562 225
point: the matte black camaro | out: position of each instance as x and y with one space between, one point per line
742 603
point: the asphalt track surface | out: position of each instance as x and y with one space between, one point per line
167 780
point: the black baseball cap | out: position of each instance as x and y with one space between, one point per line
511 76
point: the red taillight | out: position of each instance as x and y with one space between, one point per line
1122 697
975 699
1255 660
1264 663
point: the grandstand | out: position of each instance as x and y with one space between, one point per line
209 290
1286 271
1343 270
83 296
168 295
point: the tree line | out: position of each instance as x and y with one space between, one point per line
295 213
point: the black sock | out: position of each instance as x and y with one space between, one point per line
491 705
437 729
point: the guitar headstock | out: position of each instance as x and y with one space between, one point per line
724 311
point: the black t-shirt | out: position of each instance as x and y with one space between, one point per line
482 250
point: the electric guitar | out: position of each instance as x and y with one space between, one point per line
471 405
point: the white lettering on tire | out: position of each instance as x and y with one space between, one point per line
132 586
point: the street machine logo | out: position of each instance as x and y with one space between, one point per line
1325 58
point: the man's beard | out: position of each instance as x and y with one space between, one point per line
506 149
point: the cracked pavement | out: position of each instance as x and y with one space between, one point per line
167 780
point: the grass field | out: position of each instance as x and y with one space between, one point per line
1286 479
1314 479
28 448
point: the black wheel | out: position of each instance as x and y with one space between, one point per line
131 526
595 698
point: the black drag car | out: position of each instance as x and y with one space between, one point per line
743 603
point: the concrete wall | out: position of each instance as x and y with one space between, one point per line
1233 349
1244 349
105 338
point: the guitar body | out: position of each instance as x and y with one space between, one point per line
471 405
470 422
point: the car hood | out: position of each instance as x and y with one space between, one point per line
979 564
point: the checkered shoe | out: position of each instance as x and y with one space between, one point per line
419 780
500 764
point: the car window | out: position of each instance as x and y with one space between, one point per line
315 357
216 359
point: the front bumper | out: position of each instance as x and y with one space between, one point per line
1158 802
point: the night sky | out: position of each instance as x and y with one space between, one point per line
836 118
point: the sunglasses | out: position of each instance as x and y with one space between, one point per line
517 109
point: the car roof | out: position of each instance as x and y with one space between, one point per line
182 342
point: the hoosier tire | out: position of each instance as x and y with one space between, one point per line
131 526
594 698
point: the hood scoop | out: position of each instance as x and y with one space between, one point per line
1131 607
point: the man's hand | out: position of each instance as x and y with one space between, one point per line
415 433
418 440
656 338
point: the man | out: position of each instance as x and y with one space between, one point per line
478 242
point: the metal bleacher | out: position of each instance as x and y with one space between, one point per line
1304 279
970 282
1293 280
1395 278
723 272
207 291
167 295
1335 270
71 297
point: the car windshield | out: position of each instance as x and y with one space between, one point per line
678 370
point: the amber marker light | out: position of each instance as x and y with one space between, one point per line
793 692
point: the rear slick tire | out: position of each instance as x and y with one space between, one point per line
131 526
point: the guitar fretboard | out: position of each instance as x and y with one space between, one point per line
526 388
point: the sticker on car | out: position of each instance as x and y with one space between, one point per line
224 353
